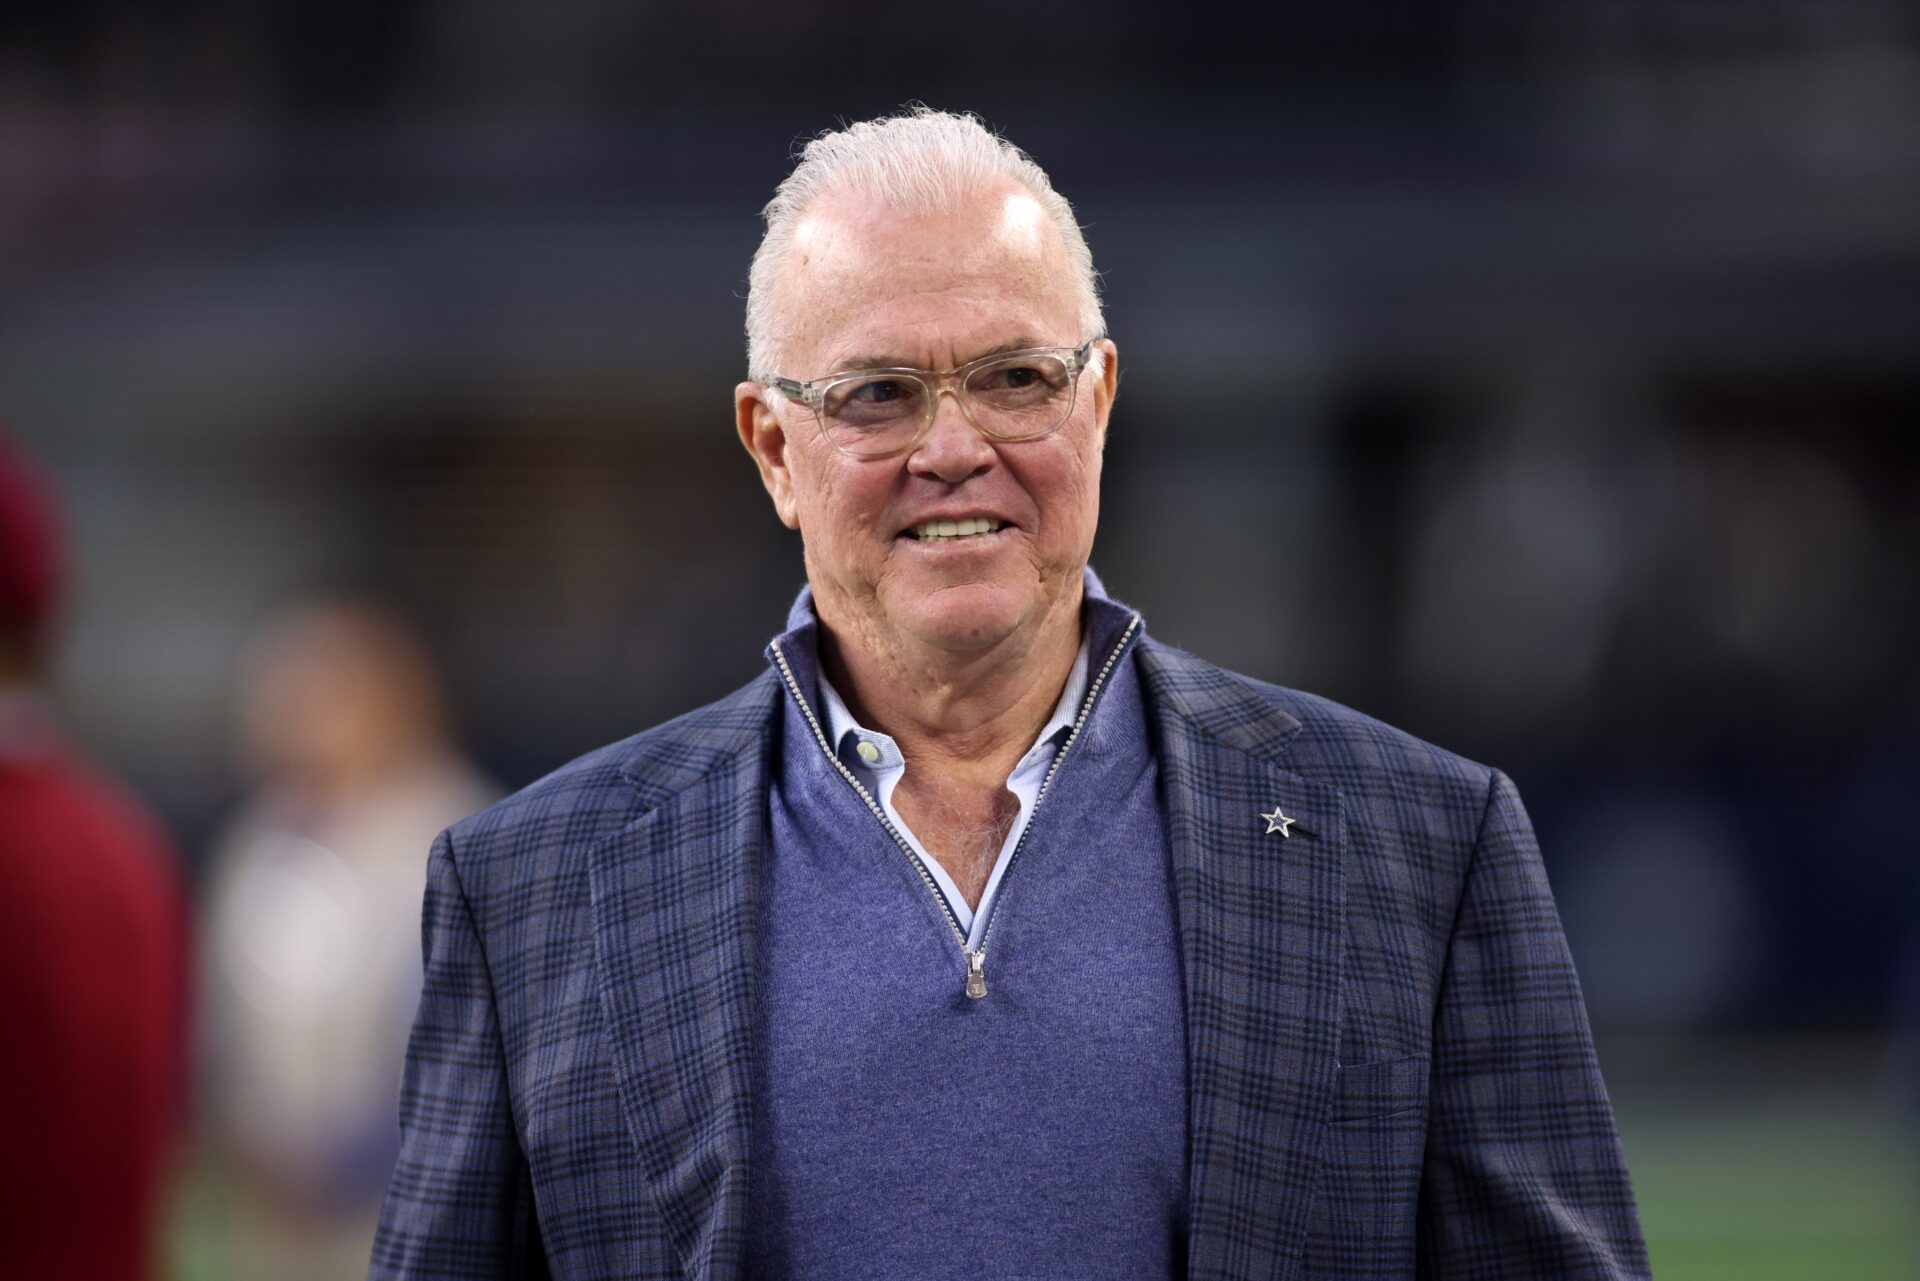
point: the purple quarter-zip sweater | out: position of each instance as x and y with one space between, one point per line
903 1129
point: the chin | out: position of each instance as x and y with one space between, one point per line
967 615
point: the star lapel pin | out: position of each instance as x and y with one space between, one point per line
1279 822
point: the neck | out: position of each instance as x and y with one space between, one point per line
972 712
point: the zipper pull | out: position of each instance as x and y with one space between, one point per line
977 973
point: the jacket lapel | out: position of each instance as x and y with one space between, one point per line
674 902
1262 934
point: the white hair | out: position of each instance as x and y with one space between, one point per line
920 160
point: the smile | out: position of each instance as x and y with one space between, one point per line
934 531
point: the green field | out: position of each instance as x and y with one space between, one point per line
1758 1199
1770 1161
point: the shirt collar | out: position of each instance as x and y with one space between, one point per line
846 734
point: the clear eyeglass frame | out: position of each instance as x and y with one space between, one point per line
814 393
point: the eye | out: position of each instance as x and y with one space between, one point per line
872 402
1010 378
878 391
1021 381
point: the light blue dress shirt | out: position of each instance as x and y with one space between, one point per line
877 759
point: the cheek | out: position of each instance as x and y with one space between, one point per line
1090 478
1087 503
838 506
813 490
1076 493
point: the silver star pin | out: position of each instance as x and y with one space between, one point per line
1278 822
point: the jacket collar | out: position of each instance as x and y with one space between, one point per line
1262 926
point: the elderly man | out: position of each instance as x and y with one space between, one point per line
983 935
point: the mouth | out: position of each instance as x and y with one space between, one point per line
954 531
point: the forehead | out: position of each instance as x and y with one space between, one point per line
931 288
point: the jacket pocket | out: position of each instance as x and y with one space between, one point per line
1365 1091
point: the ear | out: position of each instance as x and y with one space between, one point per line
1105 388
756 419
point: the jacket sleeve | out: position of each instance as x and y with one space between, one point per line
460 1204
1524 1172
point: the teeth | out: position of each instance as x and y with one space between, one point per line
934 530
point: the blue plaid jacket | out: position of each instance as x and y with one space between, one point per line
1390 1068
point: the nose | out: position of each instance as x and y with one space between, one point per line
953 448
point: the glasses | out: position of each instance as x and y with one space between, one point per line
1017 395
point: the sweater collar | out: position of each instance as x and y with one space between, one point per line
1104 623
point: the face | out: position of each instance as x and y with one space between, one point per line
932 292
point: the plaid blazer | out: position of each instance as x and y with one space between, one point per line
1390 1068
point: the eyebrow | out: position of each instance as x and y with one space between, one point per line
1020 342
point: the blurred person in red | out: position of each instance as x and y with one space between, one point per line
93 948
313 928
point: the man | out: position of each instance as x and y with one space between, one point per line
983 934
93 957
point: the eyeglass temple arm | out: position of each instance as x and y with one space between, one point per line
796 391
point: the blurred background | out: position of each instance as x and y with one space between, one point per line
1541 378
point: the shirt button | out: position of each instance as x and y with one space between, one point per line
869 752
